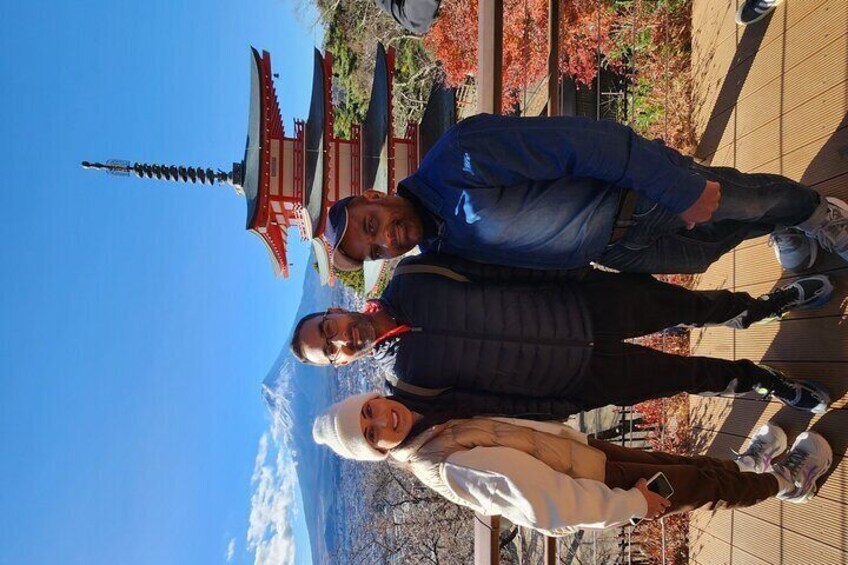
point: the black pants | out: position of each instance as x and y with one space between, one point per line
624 306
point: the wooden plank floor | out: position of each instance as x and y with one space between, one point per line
773 97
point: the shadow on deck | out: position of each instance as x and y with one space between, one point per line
773 97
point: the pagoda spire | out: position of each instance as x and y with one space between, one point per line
172 172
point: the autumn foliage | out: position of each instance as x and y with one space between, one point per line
453 41
646 41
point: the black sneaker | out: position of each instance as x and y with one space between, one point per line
807 396
809 292
754 10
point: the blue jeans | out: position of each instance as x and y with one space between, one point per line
751 205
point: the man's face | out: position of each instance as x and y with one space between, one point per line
380 227
338 337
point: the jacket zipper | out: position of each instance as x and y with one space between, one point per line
486 337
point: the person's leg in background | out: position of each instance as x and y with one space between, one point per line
752 11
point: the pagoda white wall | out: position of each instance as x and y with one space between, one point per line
343 169
401 161
287 159
275 172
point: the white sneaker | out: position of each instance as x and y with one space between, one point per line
793 249
809 459
832 234
767 443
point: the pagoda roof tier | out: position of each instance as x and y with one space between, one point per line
250 180
377 127
265 218
439 116
319 127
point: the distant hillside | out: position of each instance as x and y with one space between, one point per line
295 394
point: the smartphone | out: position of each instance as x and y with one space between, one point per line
660 485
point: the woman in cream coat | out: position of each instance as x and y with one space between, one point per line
549 477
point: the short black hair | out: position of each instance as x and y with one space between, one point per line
296 346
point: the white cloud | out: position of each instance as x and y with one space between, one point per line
231 549
269 532
261 455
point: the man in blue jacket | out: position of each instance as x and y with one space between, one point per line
558 193
483 339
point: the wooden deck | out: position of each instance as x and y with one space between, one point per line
773 97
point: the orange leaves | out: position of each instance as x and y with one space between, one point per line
584 28
453 41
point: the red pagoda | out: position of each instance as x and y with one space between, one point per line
292 181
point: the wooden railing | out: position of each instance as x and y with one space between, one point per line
490 56
489 89
489 100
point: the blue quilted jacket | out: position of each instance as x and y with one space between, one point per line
541 193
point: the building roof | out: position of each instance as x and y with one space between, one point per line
250 181
264 124
315 190
375 128
439 116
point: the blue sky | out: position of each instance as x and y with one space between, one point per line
139 317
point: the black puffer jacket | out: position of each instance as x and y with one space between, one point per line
507 334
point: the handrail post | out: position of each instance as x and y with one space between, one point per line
489 56
550 552
486 530
553 58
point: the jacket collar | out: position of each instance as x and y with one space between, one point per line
431 221
385 351
406 450
427 197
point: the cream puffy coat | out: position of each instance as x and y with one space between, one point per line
542 475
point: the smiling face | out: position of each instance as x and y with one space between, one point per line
385 423
380 227
338 337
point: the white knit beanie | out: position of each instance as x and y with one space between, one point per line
339 428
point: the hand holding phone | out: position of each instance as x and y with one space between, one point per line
656 491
